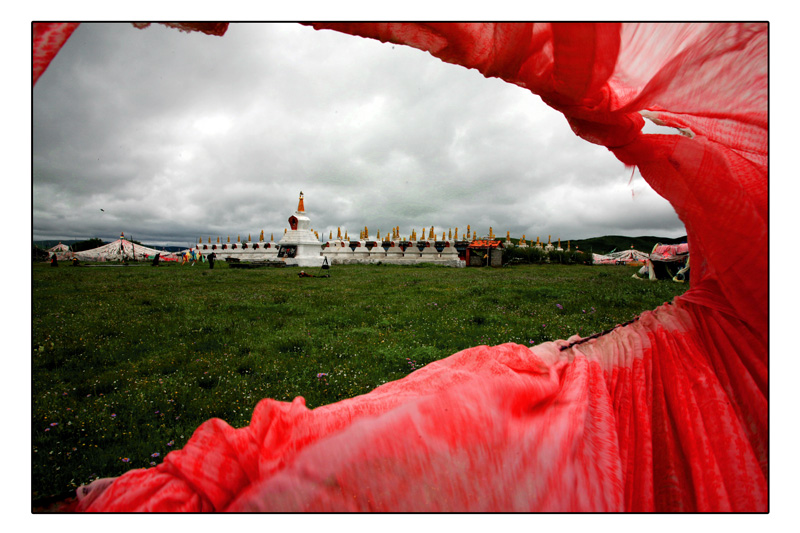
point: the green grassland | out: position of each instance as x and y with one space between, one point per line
128 360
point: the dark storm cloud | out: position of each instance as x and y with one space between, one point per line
179 136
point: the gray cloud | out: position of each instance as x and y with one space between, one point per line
179 136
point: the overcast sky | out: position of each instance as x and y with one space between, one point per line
172 136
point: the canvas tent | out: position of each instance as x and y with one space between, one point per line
619 258
122 250
667 261
61 252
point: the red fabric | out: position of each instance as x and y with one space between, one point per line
668 413
48 38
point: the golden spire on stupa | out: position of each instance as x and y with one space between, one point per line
300 207
261 238
339 232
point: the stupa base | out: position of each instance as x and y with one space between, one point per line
304 261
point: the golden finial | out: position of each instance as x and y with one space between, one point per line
339 232
261 238
238 238
300 207
217 239
248 238
229 238
330 236
271 237
378 236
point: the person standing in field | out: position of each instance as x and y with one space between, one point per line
211 257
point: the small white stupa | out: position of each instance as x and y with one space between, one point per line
299 245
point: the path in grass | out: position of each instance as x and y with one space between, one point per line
128 361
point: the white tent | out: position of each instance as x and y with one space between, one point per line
61 252
123 250
618 258
667 261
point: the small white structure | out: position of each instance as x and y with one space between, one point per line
299 246
394 252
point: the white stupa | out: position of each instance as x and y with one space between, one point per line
299 245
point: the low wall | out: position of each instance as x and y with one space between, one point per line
337 255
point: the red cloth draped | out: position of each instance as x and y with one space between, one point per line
668 413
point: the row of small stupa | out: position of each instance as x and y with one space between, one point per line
395 236
301 245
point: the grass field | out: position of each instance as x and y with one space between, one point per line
128 361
